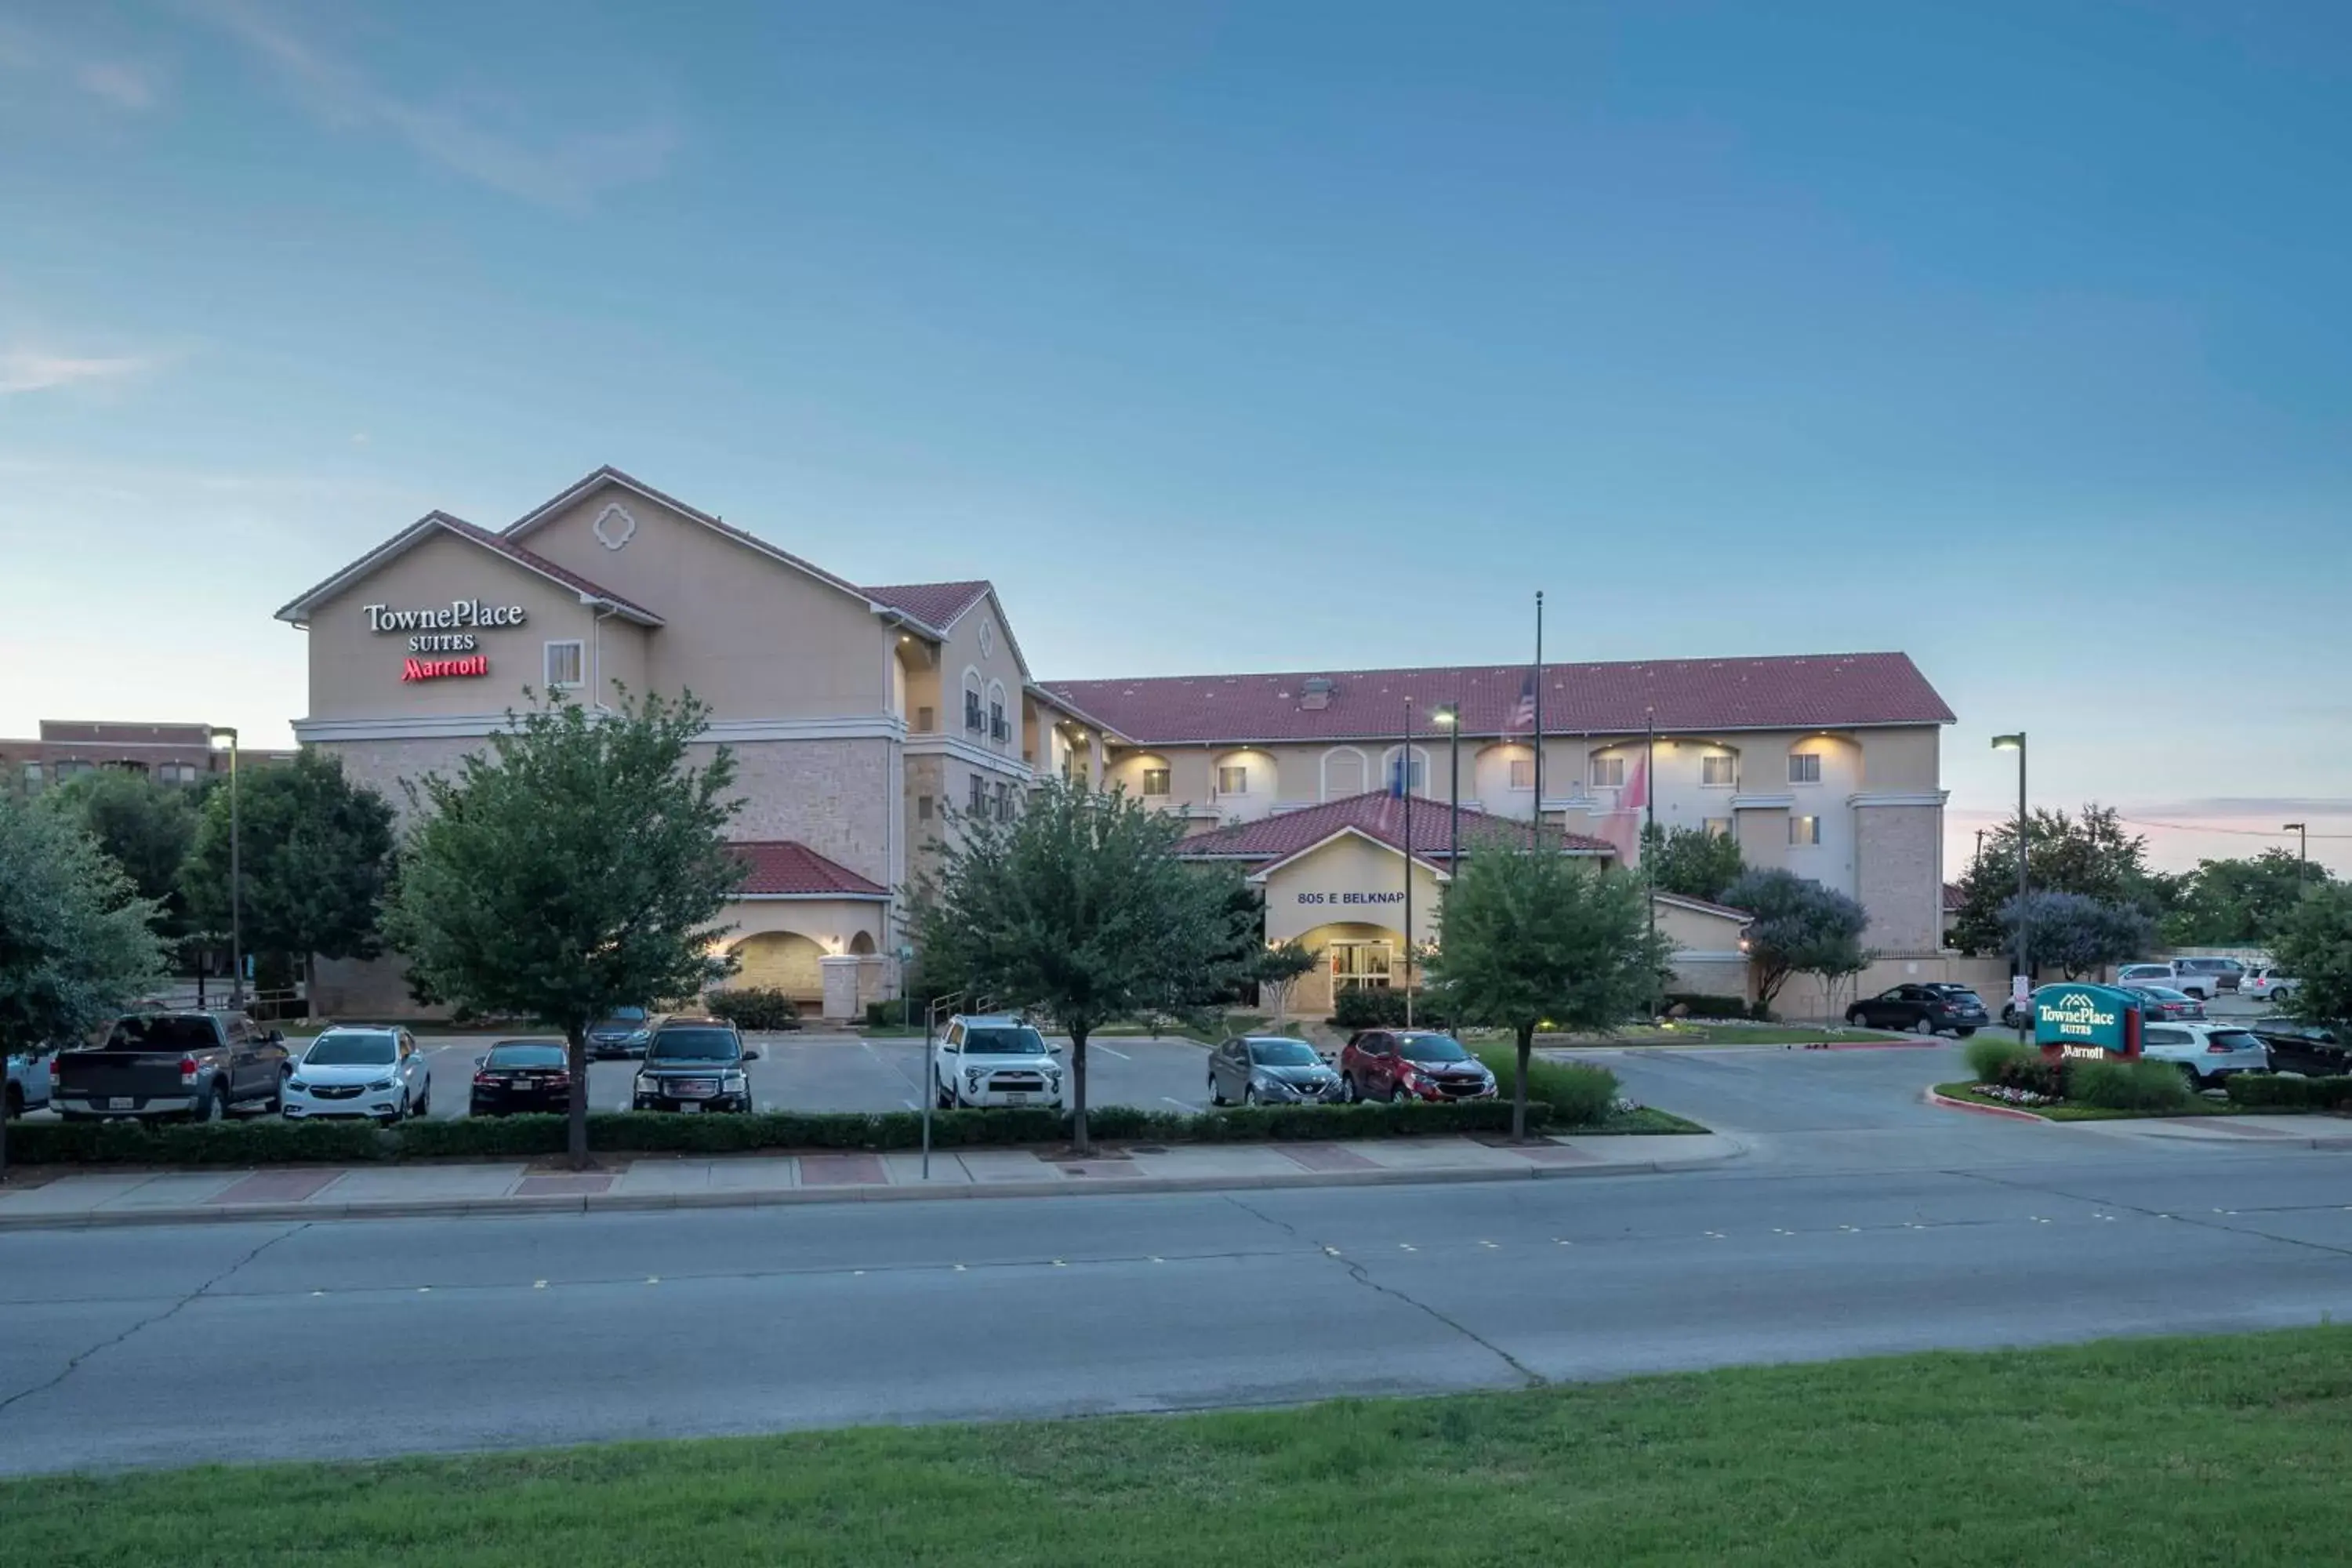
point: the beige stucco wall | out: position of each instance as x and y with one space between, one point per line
977 647
355 673
1803 997
1698 931
755 637
1331 884
1901 759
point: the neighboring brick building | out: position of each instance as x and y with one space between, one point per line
170 754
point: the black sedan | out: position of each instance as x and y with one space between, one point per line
520 1076
1931 1009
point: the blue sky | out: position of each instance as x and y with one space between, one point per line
1247 336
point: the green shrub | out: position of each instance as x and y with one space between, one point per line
755 1007
2126 1086
265 1141
1367 1007
1988 1054
886 1015
2285 1089
1703 1005
1579 1095
2027 1070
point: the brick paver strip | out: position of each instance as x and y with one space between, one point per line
564 1186
1553 1154
275 1187
843 1171
1326 1157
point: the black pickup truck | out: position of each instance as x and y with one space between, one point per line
202 1066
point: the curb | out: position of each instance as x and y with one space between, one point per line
1929 1096
778 1197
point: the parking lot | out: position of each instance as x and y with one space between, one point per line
848 1073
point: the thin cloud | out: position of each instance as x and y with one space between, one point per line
2231 807
25 369
129 86
566 172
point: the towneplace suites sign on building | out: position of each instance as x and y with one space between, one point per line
449 628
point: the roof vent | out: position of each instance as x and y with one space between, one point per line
1315 692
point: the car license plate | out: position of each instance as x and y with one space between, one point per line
1016 1099
119 1102
689 1107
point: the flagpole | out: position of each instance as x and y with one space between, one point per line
1539 819
1404 781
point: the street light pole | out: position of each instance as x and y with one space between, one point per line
1404 782
236 880
2301 831
2024 954
1451 716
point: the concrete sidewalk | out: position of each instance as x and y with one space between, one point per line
664 1181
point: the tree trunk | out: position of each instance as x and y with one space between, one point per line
1078 1090
576 1132
1520 1086
310 980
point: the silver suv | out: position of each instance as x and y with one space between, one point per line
2177 974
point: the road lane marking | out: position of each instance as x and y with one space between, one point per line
1489 1246
1407 1246
1109 1052
1181 1104
539 1284
959 1267
652 1278
1715 1234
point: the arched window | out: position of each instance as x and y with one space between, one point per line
1391 761
975 714
999 724
1343 773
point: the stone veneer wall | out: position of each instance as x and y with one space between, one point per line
1898 854
832 796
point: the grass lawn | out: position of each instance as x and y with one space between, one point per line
2146 1453
1643 1118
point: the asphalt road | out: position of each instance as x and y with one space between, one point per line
1853 1233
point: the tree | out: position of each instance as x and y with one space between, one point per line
2239 903
2075 934
2090 854
1077 908
316 854
1800 928
579 866
1528 938
77 941
147 828
1691 861
1278 965
2314 945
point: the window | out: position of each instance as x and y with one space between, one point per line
1155 781
1523 772
997 728
1804 830
923 808
178 772
1805 767
1415 772
1608 772
1356 965
1718 827
32 778
1722 770
926 719
1232 780
1004 802
74 770
973 720
978 796
565 664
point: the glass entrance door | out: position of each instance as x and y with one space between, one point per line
1359 964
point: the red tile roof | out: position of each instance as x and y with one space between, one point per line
1955 900
1377 816
782 866
1685 696
936 605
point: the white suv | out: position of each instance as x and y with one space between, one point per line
2267 984
2205 1053
993 1059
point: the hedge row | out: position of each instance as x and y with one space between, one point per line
1579 1094
2285 1089
273 1142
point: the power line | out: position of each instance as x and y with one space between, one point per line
2240 832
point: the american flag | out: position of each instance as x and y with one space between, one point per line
1523 717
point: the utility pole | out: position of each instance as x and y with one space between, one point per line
1404 782
1649 841
236 880
1539 718
2024 950
2301 830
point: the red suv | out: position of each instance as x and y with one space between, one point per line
1411 1064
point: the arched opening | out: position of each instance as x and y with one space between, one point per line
1391 762
862 944
1343 773
780 960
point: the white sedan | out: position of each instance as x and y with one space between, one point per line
375 1073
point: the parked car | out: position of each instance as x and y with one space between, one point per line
522 1076
1929 1008
993 1059
2314 1050
624 1034
1411 1064
2267 982
2226 973
29 1081
171 1063
355 1070
1270 1070
2163 1003
2199 983
2205 1053
694 1065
